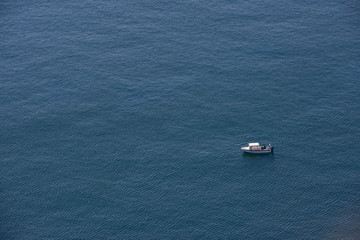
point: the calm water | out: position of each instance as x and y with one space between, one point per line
124 119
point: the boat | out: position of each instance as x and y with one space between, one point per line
257 149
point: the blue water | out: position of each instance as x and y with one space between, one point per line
124 119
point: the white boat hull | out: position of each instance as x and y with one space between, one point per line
258 151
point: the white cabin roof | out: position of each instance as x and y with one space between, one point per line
254 144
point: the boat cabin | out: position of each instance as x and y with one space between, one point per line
256 146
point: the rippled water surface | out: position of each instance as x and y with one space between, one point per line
124 120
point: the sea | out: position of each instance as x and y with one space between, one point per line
125 119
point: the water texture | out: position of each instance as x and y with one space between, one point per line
124 119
